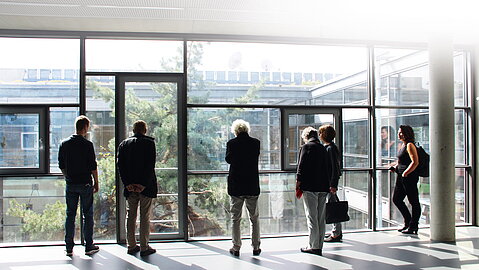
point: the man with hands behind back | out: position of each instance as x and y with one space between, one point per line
136 163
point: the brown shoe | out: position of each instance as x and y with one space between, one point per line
133 250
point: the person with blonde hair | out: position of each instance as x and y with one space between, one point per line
313 180
327 135
242 153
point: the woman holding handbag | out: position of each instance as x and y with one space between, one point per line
407 179
327 135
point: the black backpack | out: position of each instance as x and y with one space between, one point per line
423 168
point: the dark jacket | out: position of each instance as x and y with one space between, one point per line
313 167
242 154
136 164
336 164
76 157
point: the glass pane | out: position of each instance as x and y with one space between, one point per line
156 104
34 70
100 105
402 77
390 119
387 213
459 78
210 129
296 124
280 212
356 138
259 73
134 55
19 140
33 209
460 136
62 125
460 196
353 187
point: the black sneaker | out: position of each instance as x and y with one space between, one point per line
92 250
312 251
133 250
69 252
256 252
331 238
147 252
234 252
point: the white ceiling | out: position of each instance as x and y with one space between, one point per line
385 20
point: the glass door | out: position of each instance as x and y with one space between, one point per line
154 99
296 120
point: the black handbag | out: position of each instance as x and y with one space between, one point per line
337 212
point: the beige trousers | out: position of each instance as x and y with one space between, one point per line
236 211
135 199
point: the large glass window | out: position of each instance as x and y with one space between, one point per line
62 125
134 55
32 209
100 105
355 138
402 77
36 70
280 212
22 140
210 129
254 73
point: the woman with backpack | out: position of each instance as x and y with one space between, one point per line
406 181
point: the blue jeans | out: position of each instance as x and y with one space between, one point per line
85 194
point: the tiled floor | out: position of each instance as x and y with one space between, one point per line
372 250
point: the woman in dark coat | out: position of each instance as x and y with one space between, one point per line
313 179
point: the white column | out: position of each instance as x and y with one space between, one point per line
441 136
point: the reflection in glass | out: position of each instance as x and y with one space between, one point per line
19 133
391 119
210 129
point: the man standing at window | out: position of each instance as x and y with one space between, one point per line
136 163
242 154
76 159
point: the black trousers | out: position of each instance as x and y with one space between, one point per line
407 187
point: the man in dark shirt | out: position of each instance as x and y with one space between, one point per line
242 154
76 159
136 163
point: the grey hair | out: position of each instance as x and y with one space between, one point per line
240 126
309 133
